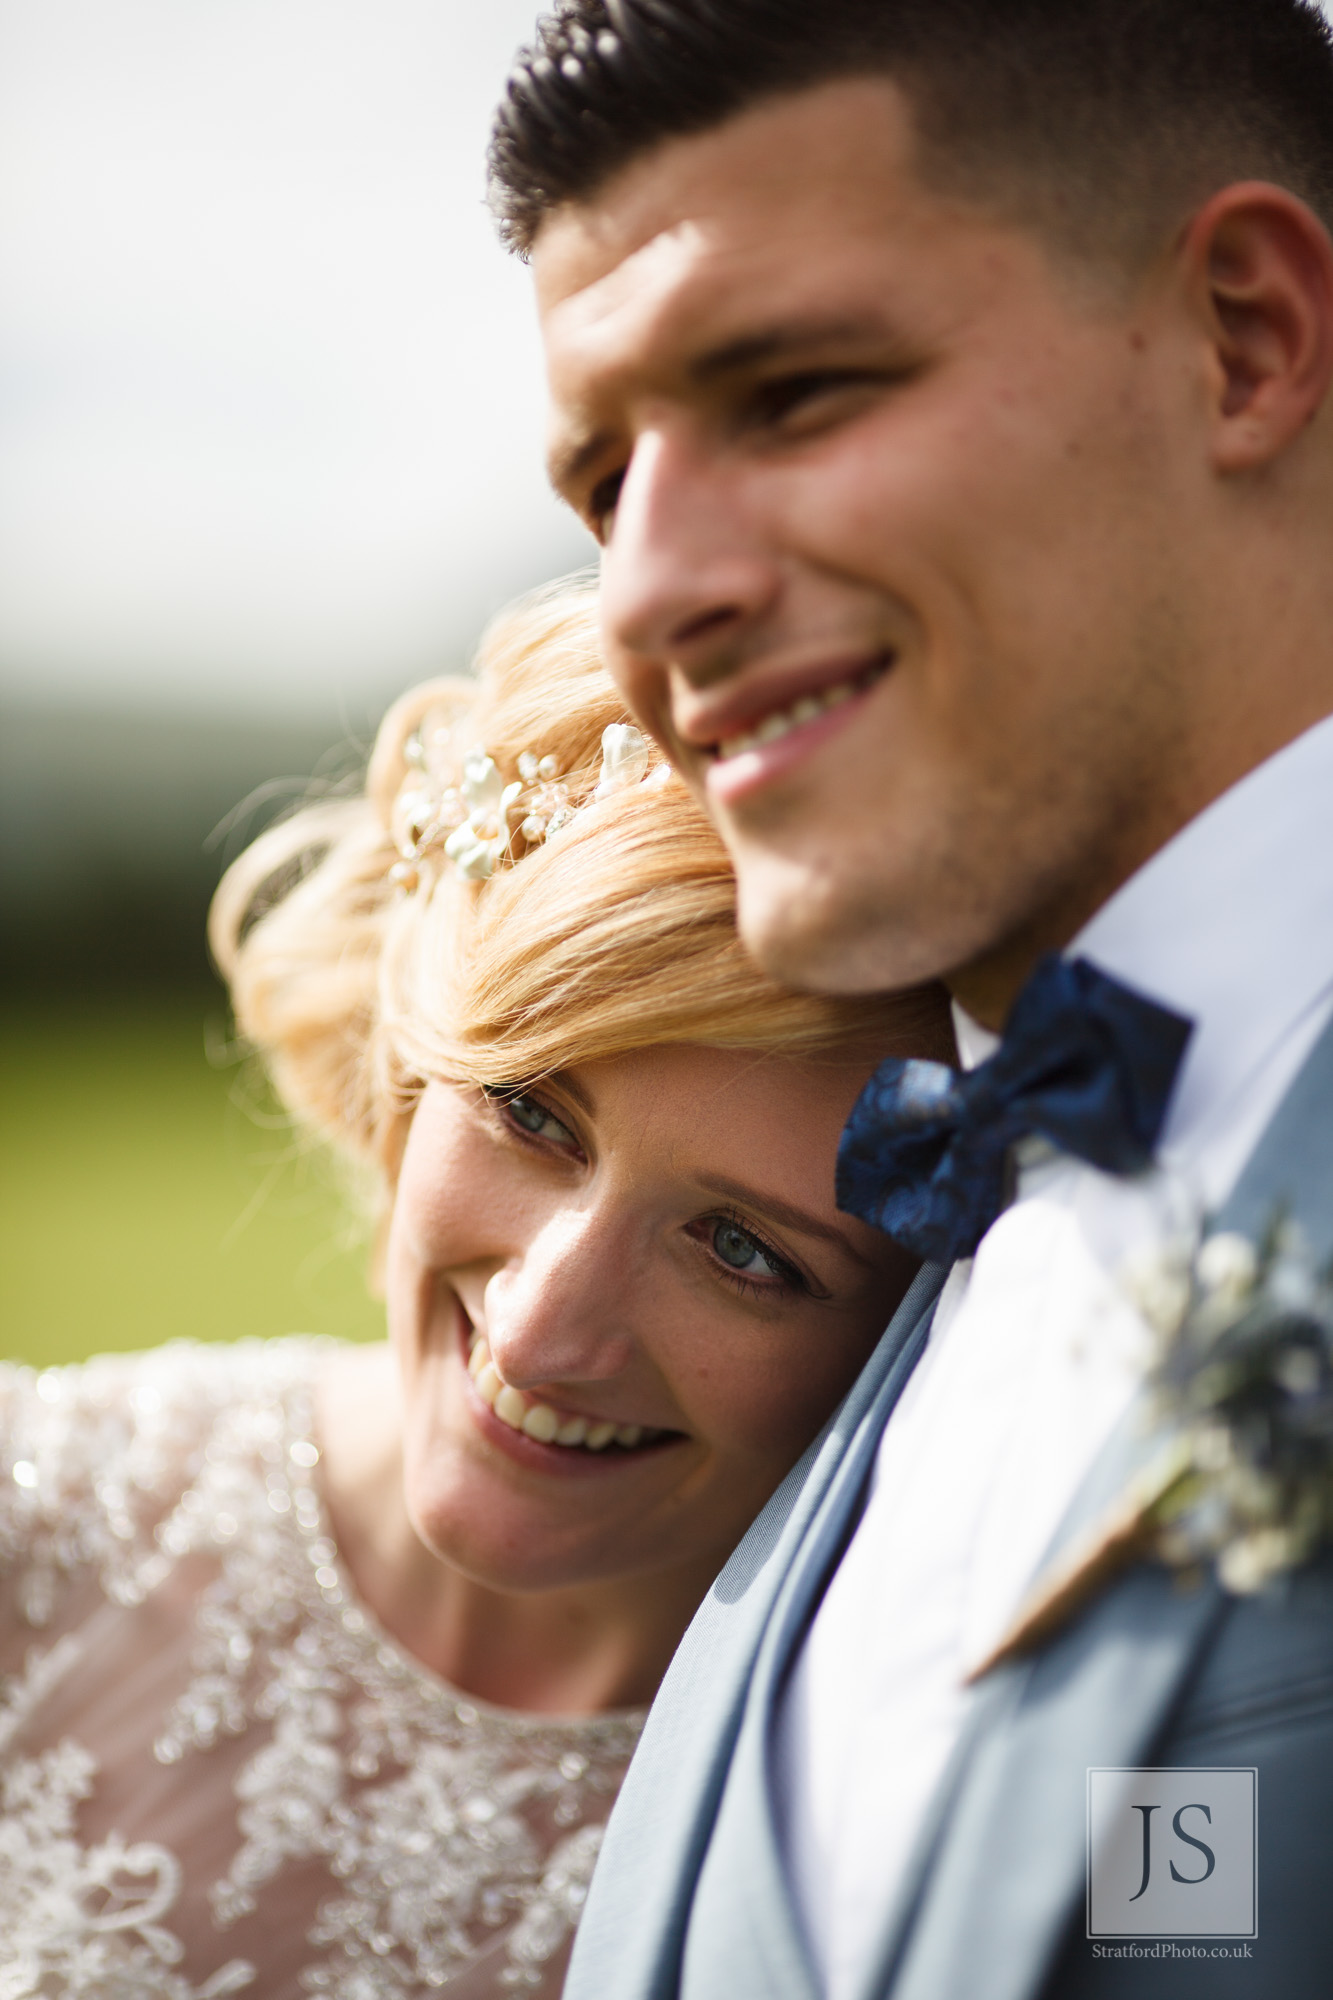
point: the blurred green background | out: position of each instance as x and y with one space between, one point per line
149 1186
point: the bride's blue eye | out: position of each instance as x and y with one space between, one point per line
742 1252
533 1117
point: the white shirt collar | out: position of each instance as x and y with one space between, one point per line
975 1043
1230 924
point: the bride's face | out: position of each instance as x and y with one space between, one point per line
622 1304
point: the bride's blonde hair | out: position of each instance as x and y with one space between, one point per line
617 933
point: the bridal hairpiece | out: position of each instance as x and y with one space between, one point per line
464 808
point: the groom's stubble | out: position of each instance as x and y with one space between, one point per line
824 416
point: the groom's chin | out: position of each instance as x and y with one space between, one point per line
822 931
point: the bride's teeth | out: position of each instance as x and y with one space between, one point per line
510 1407
774 726
842 692
807 708
541 1423
539 1420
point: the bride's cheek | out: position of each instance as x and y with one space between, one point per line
780 1405
748 1407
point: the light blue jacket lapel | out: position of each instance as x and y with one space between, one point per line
1292 1166
743 1937
970 1921
630 1939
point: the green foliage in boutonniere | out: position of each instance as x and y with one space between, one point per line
1243 1393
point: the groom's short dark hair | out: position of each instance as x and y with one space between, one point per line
1102 122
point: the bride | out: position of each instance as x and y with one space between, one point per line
323 1664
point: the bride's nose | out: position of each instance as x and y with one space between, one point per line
558 1310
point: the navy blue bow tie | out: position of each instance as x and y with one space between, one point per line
1084 1061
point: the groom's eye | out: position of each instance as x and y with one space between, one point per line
602 503
794 396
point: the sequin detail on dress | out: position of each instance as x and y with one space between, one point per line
451 1839
81 1920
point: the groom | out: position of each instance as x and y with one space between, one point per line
947 382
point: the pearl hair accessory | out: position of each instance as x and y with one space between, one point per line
465 808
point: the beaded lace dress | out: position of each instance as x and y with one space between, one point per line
218 1774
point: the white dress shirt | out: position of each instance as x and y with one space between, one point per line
1036 1351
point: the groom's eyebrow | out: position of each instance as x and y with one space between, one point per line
779 1210
785 340
570 458
793 339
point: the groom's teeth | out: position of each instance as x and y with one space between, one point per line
784 720
539 1420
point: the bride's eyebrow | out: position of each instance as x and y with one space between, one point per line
778 1210
571 1086
567 1084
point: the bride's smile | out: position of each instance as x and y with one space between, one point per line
622 1302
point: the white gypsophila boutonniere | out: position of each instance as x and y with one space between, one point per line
1242 1393
1238 1471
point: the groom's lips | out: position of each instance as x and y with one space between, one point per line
759 732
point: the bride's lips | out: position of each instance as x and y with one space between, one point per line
766 738
591 1447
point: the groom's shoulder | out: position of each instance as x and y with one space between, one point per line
828 1477
850 1434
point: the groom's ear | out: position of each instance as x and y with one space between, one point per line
1259 267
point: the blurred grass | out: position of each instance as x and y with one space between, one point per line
140 1200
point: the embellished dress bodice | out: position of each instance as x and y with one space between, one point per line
218 1773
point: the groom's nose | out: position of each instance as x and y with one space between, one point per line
685 572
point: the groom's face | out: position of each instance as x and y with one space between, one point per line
889 514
